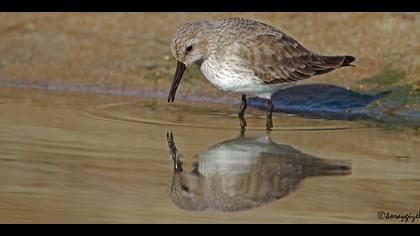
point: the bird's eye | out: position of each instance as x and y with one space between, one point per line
189 48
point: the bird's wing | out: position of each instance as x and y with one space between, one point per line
278 58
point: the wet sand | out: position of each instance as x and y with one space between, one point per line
86 158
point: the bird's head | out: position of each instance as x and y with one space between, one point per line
189 46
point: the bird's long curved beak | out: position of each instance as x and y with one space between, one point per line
180 68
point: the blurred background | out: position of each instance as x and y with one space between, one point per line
70 153
131 51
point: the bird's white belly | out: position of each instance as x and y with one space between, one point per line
237 80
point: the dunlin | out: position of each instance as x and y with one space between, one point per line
247 57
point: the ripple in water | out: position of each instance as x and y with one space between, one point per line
193 116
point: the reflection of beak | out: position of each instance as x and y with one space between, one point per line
180 68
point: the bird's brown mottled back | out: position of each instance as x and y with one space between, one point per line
274 56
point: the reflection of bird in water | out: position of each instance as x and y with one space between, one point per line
244 173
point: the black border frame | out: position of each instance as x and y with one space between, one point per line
211 5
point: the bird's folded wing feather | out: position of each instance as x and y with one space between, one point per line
278 58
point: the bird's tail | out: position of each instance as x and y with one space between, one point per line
346 60
329 63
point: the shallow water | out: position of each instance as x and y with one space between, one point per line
72 157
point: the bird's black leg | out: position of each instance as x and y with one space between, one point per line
269 123
241 113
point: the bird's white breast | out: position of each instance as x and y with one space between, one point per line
230 74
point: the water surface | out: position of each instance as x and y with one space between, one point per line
73 157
